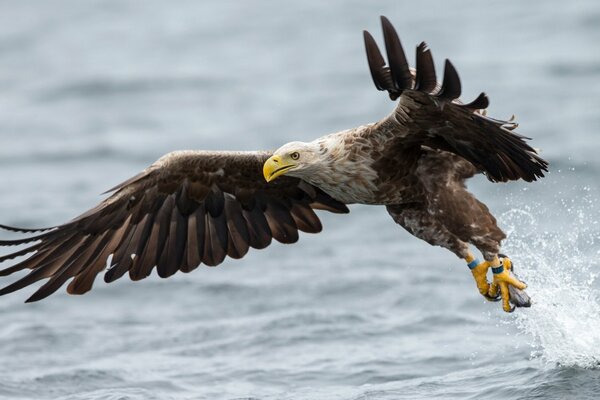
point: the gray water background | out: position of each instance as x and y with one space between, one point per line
92 92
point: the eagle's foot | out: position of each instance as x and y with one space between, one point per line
505 285
510 289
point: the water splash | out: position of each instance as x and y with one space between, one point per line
561 269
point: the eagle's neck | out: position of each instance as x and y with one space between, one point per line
344 170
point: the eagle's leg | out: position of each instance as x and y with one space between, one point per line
432 229
476 225
486 237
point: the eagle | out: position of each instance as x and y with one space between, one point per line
199 207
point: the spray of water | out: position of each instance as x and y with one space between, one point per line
557 247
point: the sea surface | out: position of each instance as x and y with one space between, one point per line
91 92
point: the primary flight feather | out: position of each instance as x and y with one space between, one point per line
198 207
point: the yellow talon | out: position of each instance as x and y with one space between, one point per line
480 276
501 281
479 271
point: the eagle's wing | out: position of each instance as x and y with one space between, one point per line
431 115
187 208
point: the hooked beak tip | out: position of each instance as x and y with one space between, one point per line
274 167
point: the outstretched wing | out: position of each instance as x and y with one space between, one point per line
186 209
431 114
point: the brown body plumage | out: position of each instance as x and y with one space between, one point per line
195 207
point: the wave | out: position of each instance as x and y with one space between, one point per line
556 243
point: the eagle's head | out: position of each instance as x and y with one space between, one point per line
296 159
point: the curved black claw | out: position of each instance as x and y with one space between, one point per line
491 298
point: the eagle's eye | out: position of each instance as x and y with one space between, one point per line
295 155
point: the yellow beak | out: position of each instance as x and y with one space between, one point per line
275 167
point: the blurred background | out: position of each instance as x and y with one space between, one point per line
92 92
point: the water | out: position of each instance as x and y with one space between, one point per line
92 92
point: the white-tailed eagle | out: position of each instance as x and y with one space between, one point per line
198 207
